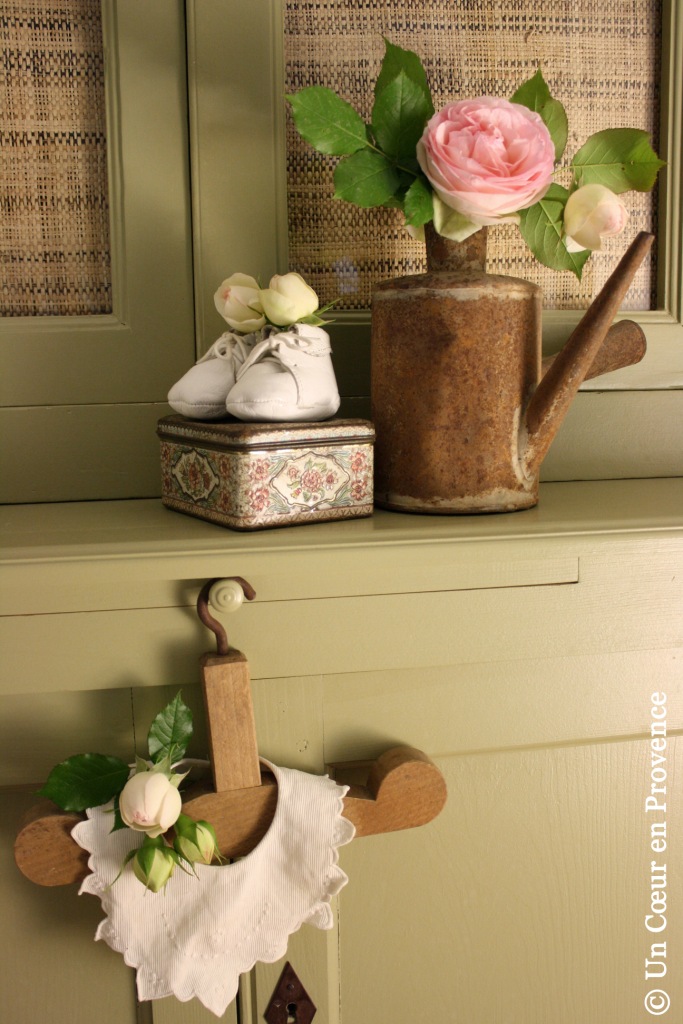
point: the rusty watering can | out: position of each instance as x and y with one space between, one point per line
463 410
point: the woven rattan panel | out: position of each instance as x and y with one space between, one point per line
600 58
54 233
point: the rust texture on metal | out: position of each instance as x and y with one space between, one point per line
455 355
456 363
624 345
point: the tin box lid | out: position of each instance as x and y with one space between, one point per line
235 435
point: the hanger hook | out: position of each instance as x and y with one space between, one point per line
207 618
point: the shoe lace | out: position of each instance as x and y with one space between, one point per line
284 347
230 346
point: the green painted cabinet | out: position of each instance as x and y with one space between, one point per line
520 652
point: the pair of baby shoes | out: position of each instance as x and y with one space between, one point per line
270 376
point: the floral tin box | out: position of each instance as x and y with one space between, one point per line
251 476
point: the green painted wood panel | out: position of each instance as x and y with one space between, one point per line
147 647
80 452
523 902
553 698
108 555
37 731
50 968
136 353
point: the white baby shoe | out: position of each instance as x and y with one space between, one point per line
287 376
201 393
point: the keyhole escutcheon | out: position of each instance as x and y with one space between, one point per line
290 1003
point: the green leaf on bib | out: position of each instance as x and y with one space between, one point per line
85 780
619 158
328 122
541 228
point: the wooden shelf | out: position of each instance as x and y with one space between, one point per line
143 528
97 594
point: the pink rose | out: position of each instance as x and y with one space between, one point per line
487 158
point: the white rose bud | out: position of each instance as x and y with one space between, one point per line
592 213
238 302
150 802
288 299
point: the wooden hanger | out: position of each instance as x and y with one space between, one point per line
404 787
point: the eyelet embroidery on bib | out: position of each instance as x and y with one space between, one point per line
196 936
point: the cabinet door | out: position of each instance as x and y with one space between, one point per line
525 900
50 967
81 394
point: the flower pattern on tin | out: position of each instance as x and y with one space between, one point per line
256 488
195 475
259 470
259 498
359 489
310 480
358 461
225 465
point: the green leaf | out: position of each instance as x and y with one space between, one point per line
619 158
119 823
313 320
85 780
418 205
397 62
535 95
541 229
403 103
366 178
555 119
328 122
399 115
451 224
394 203
170 731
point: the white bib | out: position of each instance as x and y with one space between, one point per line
196 936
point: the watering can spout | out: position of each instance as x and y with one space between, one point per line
572 365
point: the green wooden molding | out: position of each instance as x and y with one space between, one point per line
237 147
135 353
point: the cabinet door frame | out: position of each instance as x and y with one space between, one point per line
55 369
